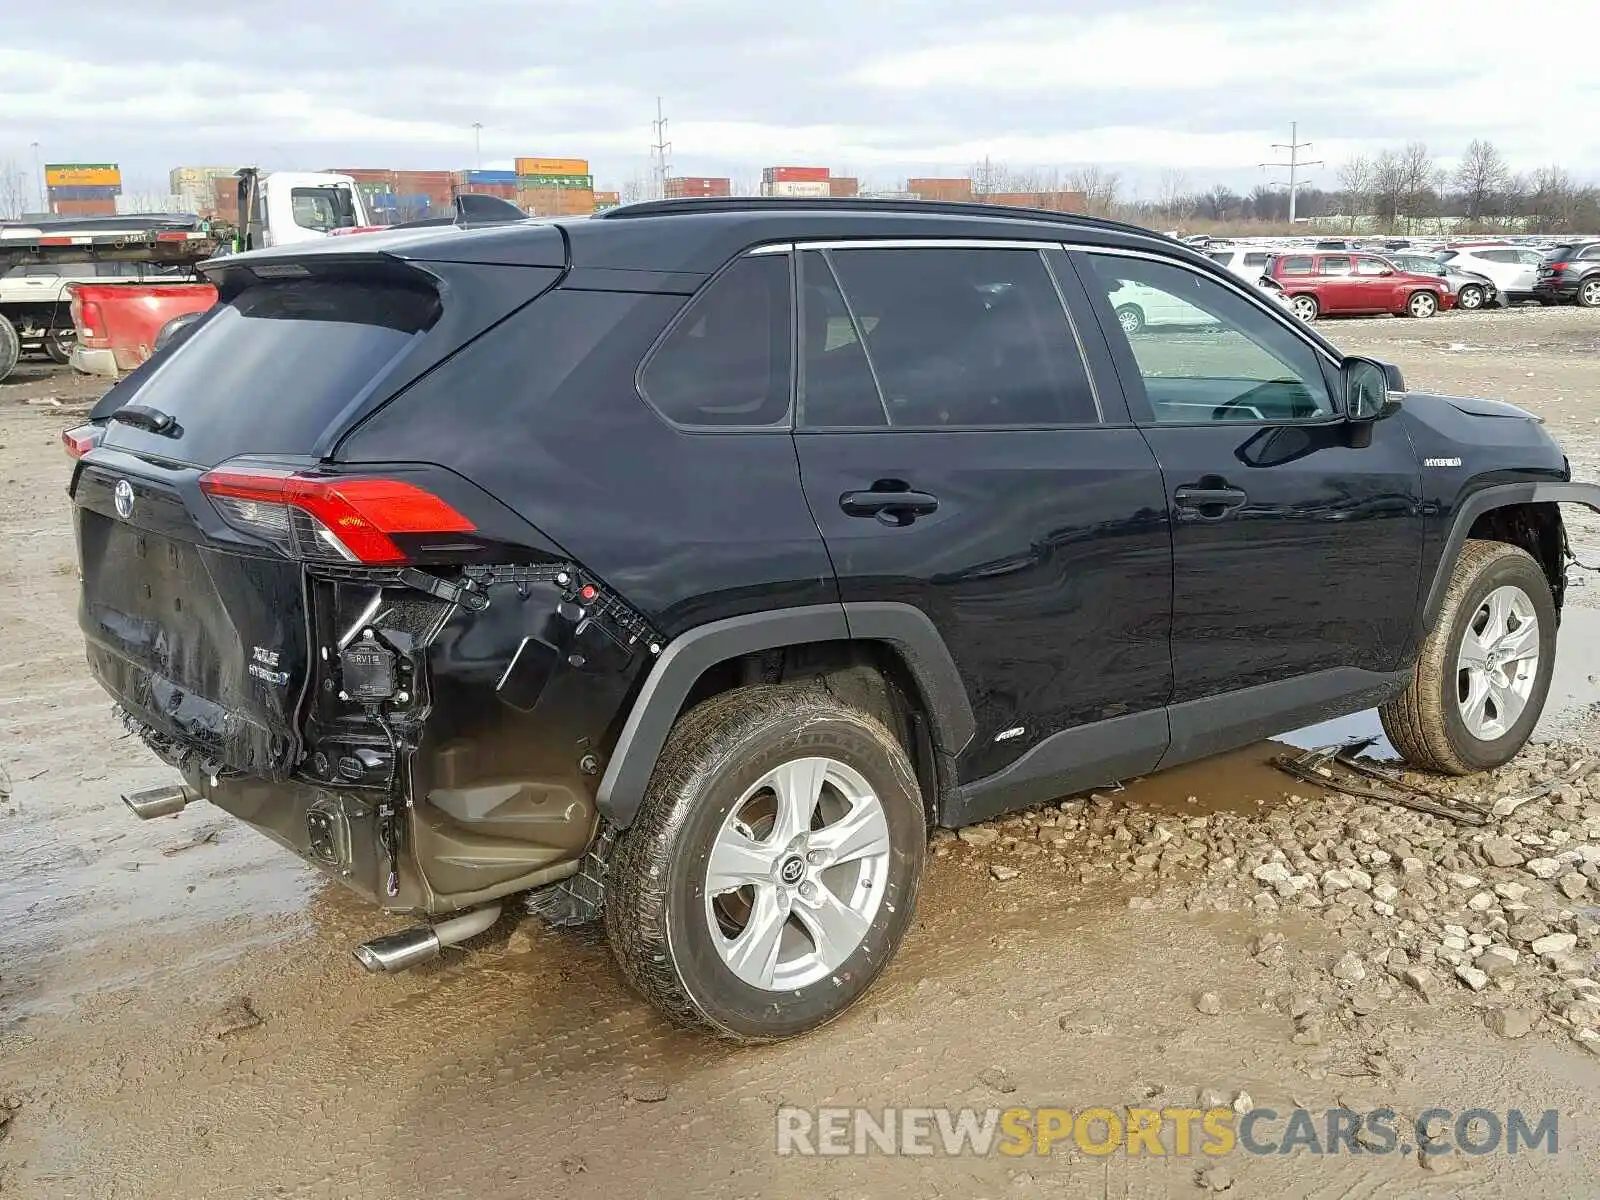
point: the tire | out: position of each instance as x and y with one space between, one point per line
10 348
58 345
1422 305
1131 318
676 940
1589 293
1469 298
1305 307
1426 722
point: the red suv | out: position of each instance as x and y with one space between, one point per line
1320 282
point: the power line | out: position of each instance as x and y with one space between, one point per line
1293 146
658 150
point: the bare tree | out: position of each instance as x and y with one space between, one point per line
1481 179
1419 183
1356 181
1173 200
638 187
14 191
1554 200
1099 187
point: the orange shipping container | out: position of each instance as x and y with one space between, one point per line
953 188
556 202
795 174
1072 202
843 185
82 175
607 199
85 208
552 166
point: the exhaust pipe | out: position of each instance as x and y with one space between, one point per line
161 801
397 951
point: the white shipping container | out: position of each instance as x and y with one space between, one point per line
797 188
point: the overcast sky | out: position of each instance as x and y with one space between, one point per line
879 90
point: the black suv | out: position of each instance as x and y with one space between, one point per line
1570 274
686 563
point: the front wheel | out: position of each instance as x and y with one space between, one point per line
1470 298
1305 307
773 867
1422 305
1589 293
1480 682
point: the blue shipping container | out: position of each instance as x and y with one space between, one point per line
491 176
99 192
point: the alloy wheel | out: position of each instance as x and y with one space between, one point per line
1589 295
1423 305
796 874
1498 662
1304 307
1470 298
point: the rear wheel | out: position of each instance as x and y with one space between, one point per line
1130 317
1305 307
10 348
1589 293
1470 297
1480 683
773 867
58 344
1422 305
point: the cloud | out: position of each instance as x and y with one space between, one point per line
881 90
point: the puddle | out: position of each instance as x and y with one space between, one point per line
1241 781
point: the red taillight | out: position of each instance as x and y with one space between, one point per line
1554 267
86 316
352 517
81 440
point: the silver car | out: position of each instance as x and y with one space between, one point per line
1473 291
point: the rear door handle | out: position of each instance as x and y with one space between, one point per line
892 508
1209 503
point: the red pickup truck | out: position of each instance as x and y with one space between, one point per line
1319 283
118 323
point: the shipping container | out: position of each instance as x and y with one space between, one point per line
476 177
795 175
888 195
843 185
956 188
1072 202
607 200
552 166
586 182
85 208
103 192
82 175
684 186
556 202
797 189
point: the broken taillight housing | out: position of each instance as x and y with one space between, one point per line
324 517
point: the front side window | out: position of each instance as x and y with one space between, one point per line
1232 362
952 337
321 208
1371 266
725 361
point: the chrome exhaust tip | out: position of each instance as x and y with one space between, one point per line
160 801
396 951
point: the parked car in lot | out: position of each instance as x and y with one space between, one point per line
119 325
686 563
1472 291
1570 274
1322 284
1248 263
1137 306
1514 269
36 299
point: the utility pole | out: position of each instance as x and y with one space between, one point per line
659 149
1293 146
38 171
477 144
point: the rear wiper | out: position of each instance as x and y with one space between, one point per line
153 420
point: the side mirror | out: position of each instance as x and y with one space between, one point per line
1366 389
1386 271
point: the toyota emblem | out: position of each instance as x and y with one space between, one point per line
122 496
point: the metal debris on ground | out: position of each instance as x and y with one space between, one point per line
1338 768
204 837
1507 805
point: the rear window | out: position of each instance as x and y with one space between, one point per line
273 367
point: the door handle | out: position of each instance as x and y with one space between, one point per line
889 507
1209 503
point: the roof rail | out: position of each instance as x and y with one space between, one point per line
951 208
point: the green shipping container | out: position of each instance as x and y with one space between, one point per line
582 183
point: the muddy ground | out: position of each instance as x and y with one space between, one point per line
180 1014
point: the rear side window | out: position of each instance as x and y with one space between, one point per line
272 368
725 361
1256 260
962 337
1334 264
1295 264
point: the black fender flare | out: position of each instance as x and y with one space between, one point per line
1497 496
684 659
